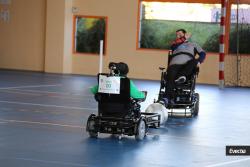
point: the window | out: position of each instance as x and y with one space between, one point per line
239 34
160 20
88 31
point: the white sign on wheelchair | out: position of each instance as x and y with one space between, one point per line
109 84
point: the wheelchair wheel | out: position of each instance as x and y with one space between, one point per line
140 130
196 105
91 127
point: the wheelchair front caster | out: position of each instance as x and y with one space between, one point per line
141 130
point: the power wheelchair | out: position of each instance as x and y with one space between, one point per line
185 96
118 113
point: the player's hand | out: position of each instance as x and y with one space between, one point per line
188 35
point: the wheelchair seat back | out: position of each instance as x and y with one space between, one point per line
115 105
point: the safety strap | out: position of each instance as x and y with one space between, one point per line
182 53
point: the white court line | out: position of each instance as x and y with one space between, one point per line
47 105
59 93
56 95
73 126
40 123
21 93
227 163
47 162
29 86
65 125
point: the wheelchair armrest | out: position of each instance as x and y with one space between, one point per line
139 100
97 97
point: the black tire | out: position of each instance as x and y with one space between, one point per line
90 128
140 130
196 105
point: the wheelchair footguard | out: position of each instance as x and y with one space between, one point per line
191 108
137 127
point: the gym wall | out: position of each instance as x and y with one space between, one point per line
39 37
22 38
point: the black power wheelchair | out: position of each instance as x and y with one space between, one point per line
119 113
185 96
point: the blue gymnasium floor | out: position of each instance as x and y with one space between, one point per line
43 118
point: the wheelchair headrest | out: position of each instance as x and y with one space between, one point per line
120 69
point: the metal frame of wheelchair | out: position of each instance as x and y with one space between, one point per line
134 122
185 96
